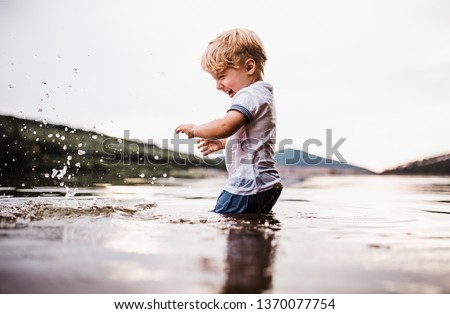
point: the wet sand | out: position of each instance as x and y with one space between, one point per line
342 234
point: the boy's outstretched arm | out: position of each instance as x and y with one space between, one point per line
219 128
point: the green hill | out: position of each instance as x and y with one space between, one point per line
439 165
38 153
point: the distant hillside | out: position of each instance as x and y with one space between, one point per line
439 165
40 153
291 162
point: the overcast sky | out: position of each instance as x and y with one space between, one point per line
375 72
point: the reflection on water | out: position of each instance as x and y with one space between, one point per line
339 234
250 253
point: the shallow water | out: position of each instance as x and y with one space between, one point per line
340 234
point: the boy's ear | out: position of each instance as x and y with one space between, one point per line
250 66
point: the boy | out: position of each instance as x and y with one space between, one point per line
236 60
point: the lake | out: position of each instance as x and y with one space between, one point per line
331 234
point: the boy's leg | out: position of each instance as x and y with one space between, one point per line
272 198
228 203
264 201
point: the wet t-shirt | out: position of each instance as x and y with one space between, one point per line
250 152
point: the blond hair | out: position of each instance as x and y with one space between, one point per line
231 49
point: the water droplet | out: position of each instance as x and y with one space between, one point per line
80 144
65 147
63 138
165 175
44 83
70 193
57 135
81 152
50 135
78 165
46 175
142 175
61 173
37 139
10 86
156 157
94 137
69 157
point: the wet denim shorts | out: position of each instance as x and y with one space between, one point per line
262 202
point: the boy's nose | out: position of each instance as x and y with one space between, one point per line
219 85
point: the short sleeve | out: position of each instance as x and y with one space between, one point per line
245 103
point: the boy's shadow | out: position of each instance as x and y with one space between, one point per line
250 253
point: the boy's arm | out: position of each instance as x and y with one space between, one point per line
219 128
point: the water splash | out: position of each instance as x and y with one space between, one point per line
59 174
19 214
70 194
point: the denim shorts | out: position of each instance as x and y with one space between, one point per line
262 202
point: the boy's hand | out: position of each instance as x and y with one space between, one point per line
187 129
209 146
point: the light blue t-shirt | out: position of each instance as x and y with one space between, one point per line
250 152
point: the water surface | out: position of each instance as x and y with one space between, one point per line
339 234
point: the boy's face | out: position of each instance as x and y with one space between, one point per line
232 80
